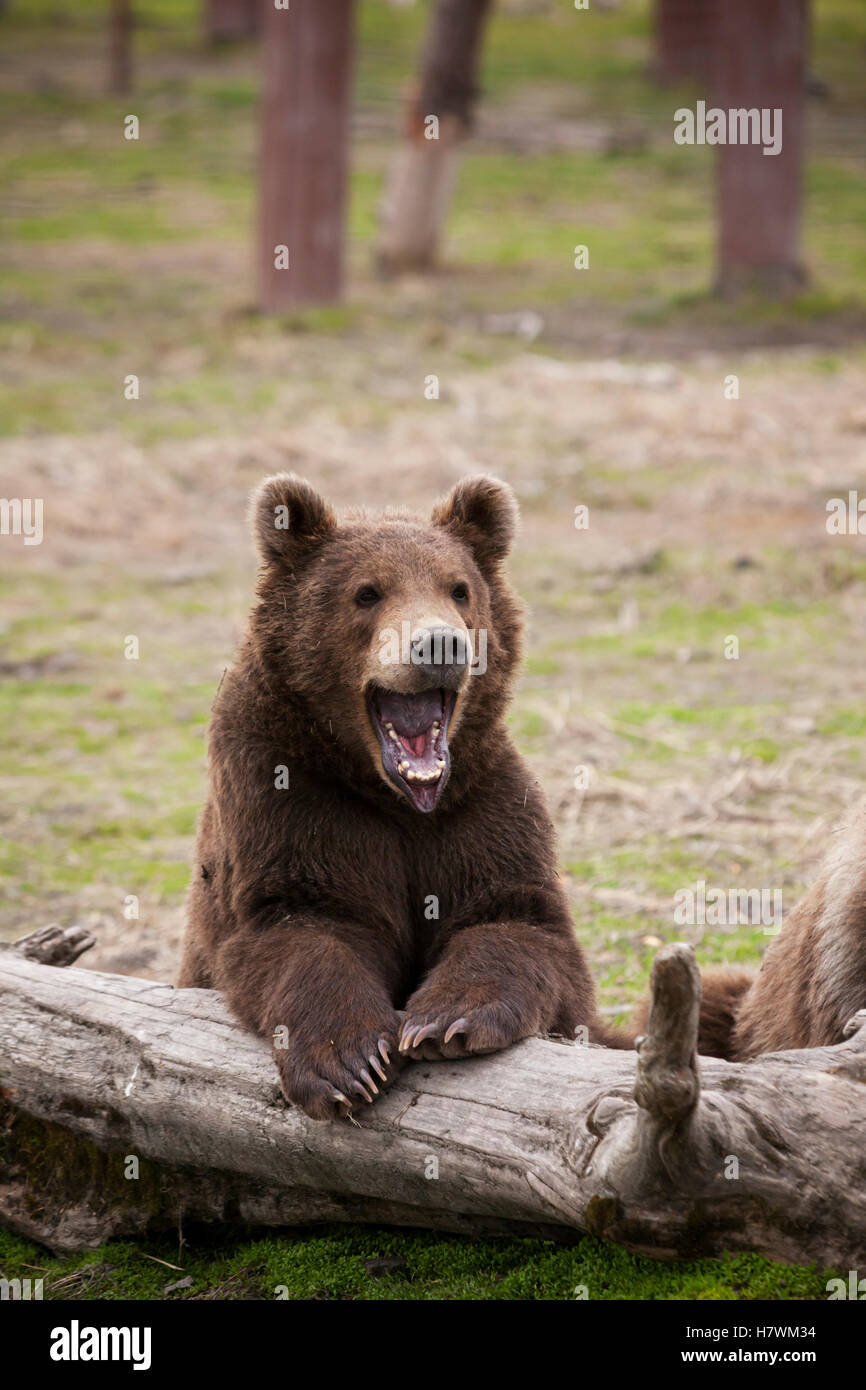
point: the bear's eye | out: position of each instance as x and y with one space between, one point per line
367 596
460 592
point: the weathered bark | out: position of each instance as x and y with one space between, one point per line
121 23
230 19
304 152
421 180
760 62
548 1137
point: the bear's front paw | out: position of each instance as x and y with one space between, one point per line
327 1079
459 1030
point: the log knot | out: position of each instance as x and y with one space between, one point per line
667 1085
54 945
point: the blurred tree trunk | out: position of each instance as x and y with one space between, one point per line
683 39
760 62
120 26
438 118
304 152
230 19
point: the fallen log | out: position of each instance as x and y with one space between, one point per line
133 1107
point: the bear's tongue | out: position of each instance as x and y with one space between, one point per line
415 746
412 732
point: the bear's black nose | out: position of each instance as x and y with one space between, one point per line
443 653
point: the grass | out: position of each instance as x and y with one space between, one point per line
707 517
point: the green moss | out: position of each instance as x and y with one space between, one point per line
330 1263
62 1169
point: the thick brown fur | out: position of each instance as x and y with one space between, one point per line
310 903
813 979
310 906
813 976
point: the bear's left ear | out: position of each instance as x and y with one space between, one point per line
483 513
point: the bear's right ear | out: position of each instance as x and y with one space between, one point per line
288 517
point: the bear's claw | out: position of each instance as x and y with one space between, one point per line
328 1079
485 1028
377 1067
415 1035
343 1104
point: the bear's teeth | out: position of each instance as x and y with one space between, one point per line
412 776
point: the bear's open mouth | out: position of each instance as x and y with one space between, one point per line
413 734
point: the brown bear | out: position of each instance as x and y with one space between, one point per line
813 978
376 874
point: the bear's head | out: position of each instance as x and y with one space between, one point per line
395 636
